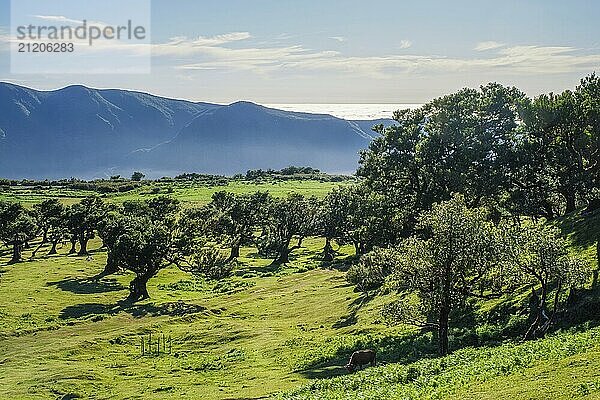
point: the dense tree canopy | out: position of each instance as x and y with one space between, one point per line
370 219
536 157
142 247
83 220
122 227
51 220
332 218
456 255
137 176
17 227
460 143
236 217
293 216
538 255
45 213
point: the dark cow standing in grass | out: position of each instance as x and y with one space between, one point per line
360 358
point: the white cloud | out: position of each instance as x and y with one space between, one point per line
338 38
181 45
70 21
405 44
516 60
58 18
221 39
489 45
283 36
216 53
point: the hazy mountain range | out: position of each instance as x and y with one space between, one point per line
83 132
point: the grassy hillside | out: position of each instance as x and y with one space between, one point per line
190 192
563 366
63 333
265 332
583 230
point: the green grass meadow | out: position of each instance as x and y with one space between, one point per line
63 333
189 192
264 333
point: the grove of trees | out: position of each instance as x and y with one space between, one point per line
519 156
455 202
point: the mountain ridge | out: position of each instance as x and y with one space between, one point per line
87 132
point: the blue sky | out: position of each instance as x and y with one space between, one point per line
375 51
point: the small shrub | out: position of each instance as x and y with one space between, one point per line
231 286
187 285
212 264
371 270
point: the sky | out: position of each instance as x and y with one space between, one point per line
325 51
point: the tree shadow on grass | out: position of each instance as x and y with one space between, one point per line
86 310
173 309
346 320
254 255
351 318
343 285
584 227
389 349
330 371
581 314
87 286
266 269
341 262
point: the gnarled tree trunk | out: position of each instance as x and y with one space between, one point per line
34 252
17 253
536 329
235 252
137 288
359 248
283 256
73 241
111 266
83 241
327 251
444 311
597 270
53 248
570 200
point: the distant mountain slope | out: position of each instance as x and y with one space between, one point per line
80 131
244 136
84 132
